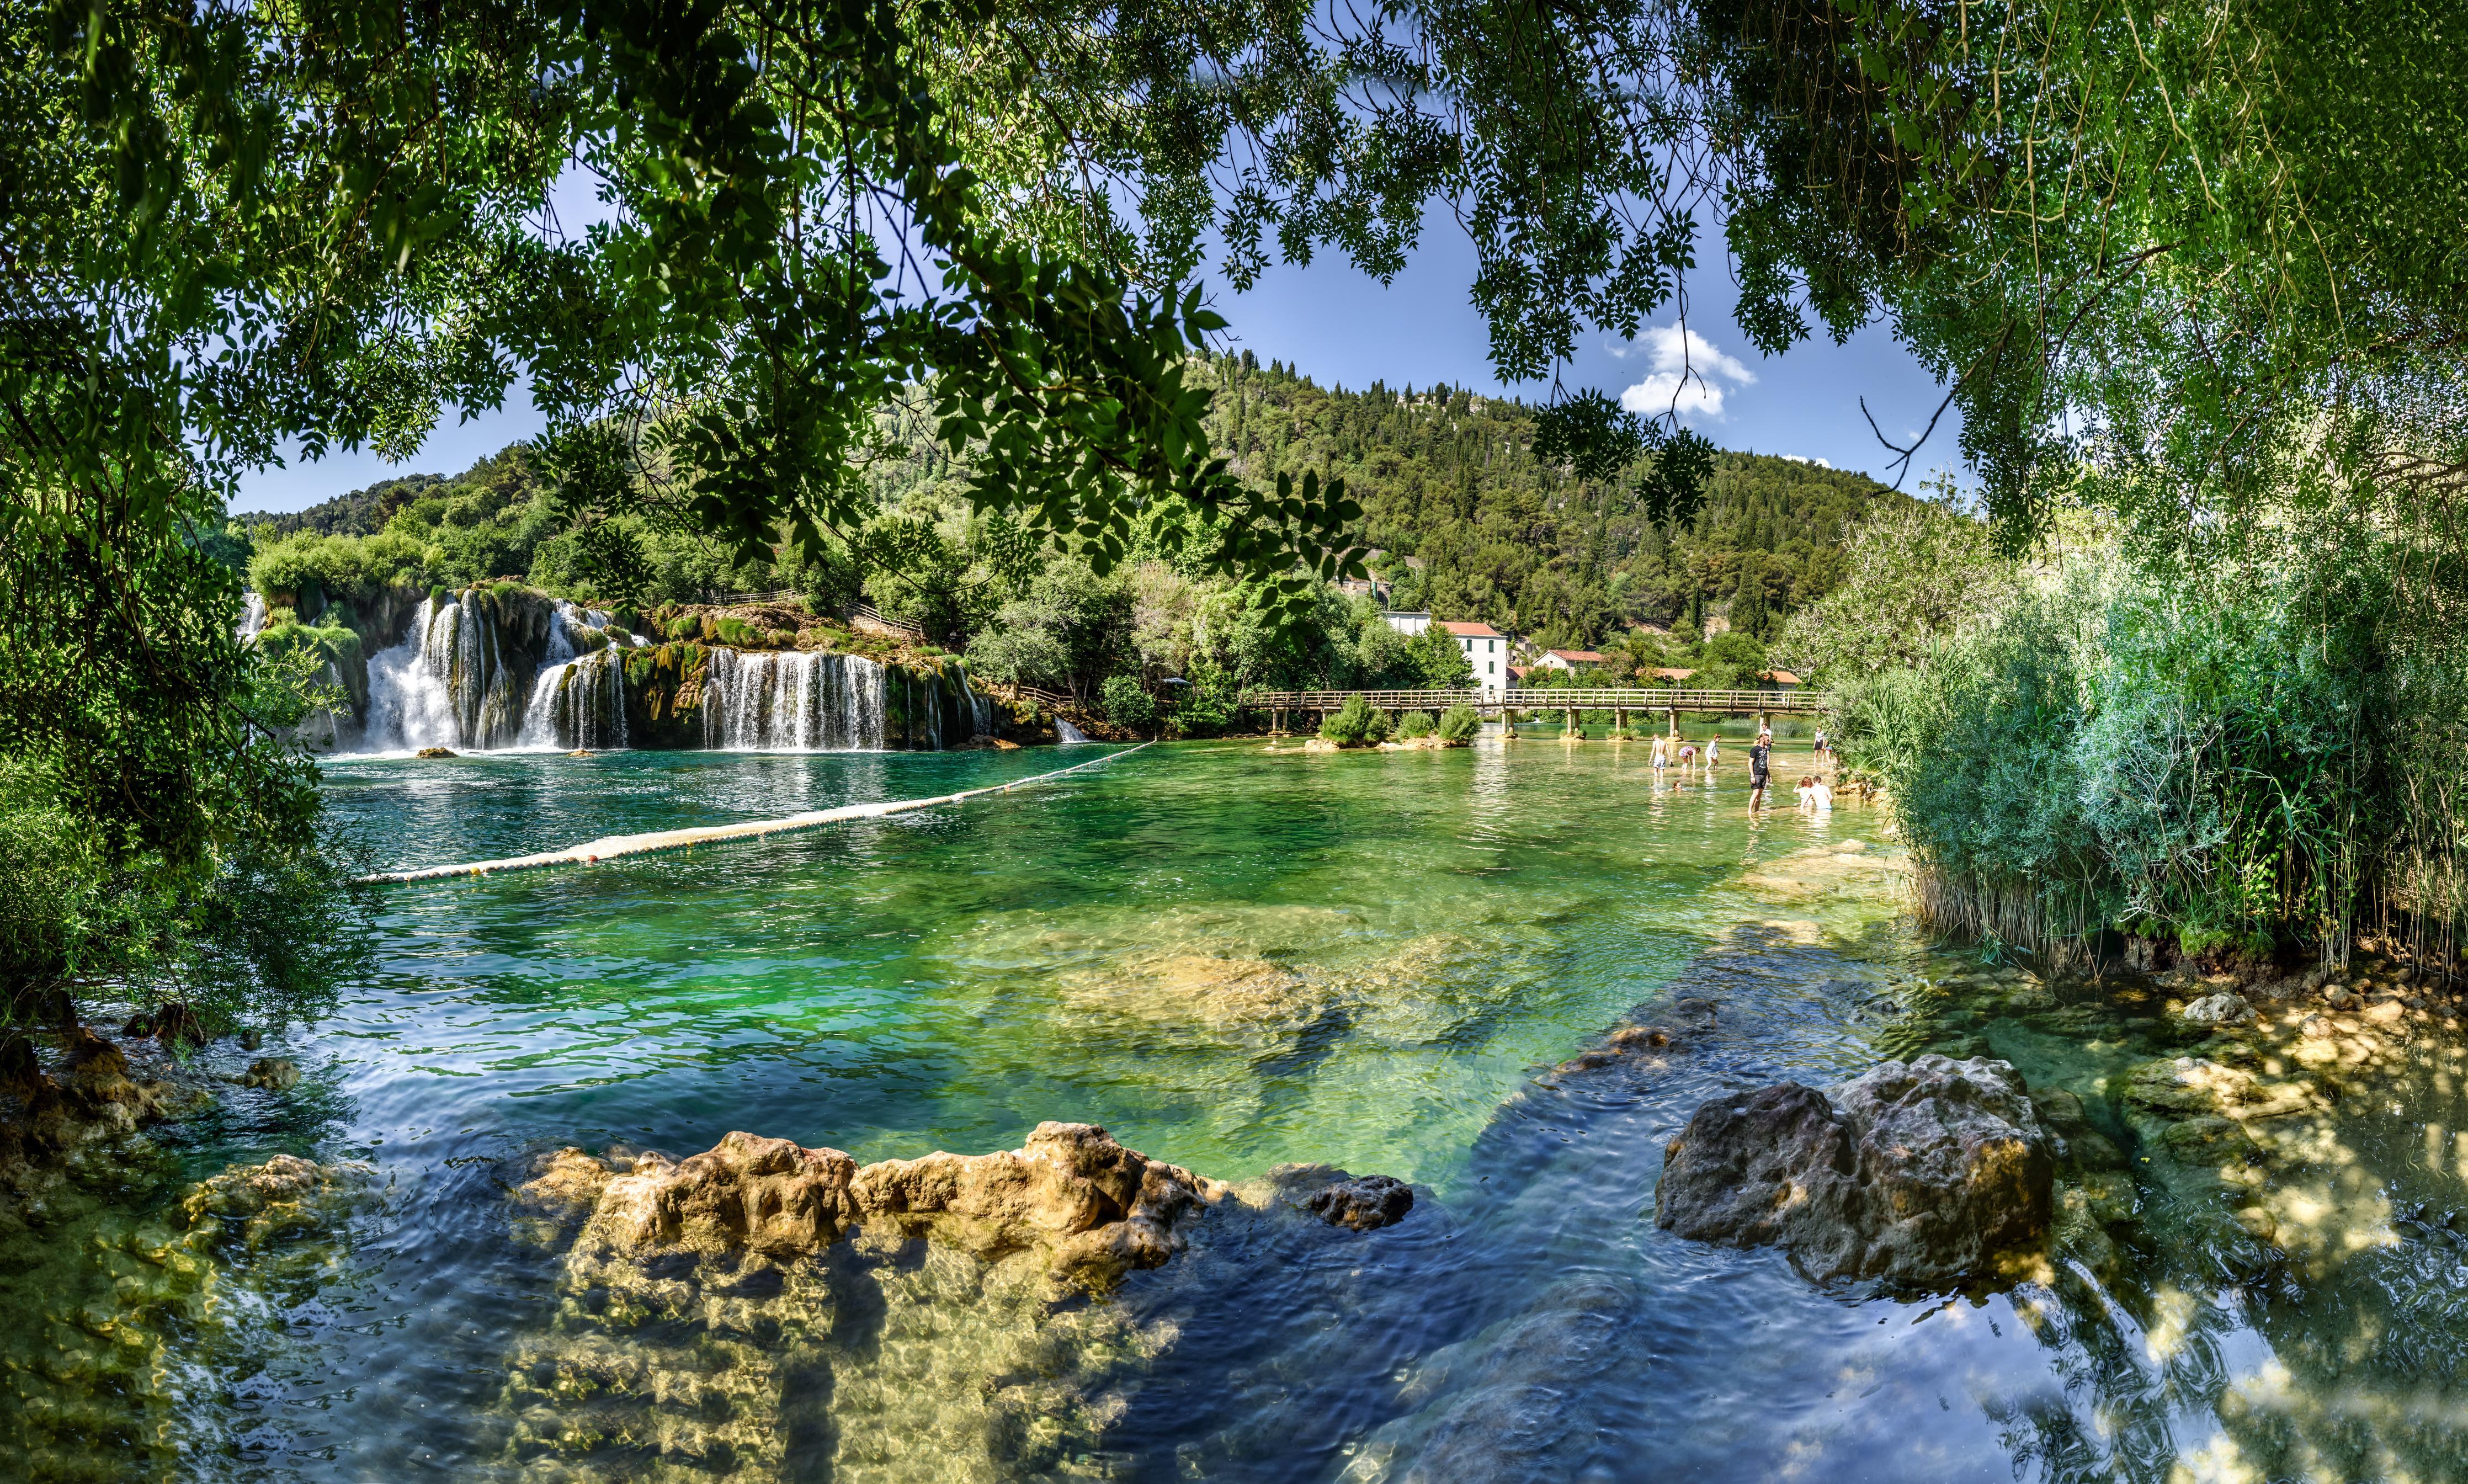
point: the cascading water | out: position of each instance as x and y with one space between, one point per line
1067 734
458 679
579 702
252 619
580 705
417 693
755 701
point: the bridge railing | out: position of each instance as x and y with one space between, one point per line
1590 698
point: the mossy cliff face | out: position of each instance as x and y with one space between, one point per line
664 694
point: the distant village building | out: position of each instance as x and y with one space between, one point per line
1777 680
1486 648
1567 659
1409 624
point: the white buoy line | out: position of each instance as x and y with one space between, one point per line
616 845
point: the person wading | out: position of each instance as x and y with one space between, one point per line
1759 757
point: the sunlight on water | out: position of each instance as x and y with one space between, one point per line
1232 962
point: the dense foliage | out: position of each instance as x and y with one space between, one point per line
158 839
1357 724
2185 262
2237 760
1913 575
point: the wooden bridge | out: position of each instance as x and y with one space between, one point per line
1615 699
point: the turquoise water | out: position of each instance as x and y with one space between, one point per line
1232 961
1435 925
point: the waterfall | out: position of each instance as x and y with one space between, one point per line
578 700
456 681
769 701
410 706
981 708
252 619
1066 733
583 705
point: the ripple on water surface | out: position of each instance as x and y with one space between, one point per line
1232 961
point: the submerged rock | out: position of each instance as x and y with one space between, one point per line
1090 1207
1363 1203
2222 1009
1916 1173
437 752
2199 1085
285 1197
275 1074
765 1310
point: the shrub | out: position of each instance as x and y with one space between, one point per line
683 626
1458 725
1415 724
1126 704
738 634
1357 724
2120 748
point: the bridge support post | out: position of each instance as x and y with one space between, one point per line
1673 714
1619 720
1568 729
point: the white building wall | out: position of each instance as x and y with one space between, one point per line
1489 657
1409 624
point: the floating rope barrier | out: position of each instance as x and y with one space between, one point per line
616 845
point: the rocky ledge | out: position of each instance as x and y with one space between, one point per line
1916 1173
1088 1207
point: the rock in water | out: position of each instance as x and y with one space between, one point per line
1917 1173
437 752
2219 1010
1363 1203
272 1073
765 1310
1092 1207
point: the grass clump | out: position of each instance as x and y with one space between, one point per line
1458 725
1415 724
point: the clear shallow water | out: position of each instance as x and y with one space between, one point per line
1232 961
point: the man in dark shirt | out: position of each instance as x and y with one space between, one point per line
1758 763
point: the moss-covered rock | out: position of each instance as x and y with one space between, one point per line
664 694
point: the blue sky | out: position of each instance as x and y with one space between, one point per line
1339 325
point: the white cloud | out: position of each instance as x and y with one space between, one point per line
1689 375
1796 459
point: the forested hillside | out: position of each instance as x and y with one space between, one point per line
1450 478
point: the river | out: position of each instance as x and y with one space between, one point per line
1232 961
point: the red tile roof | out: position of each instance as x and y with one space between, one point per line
1579 656
1470 630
